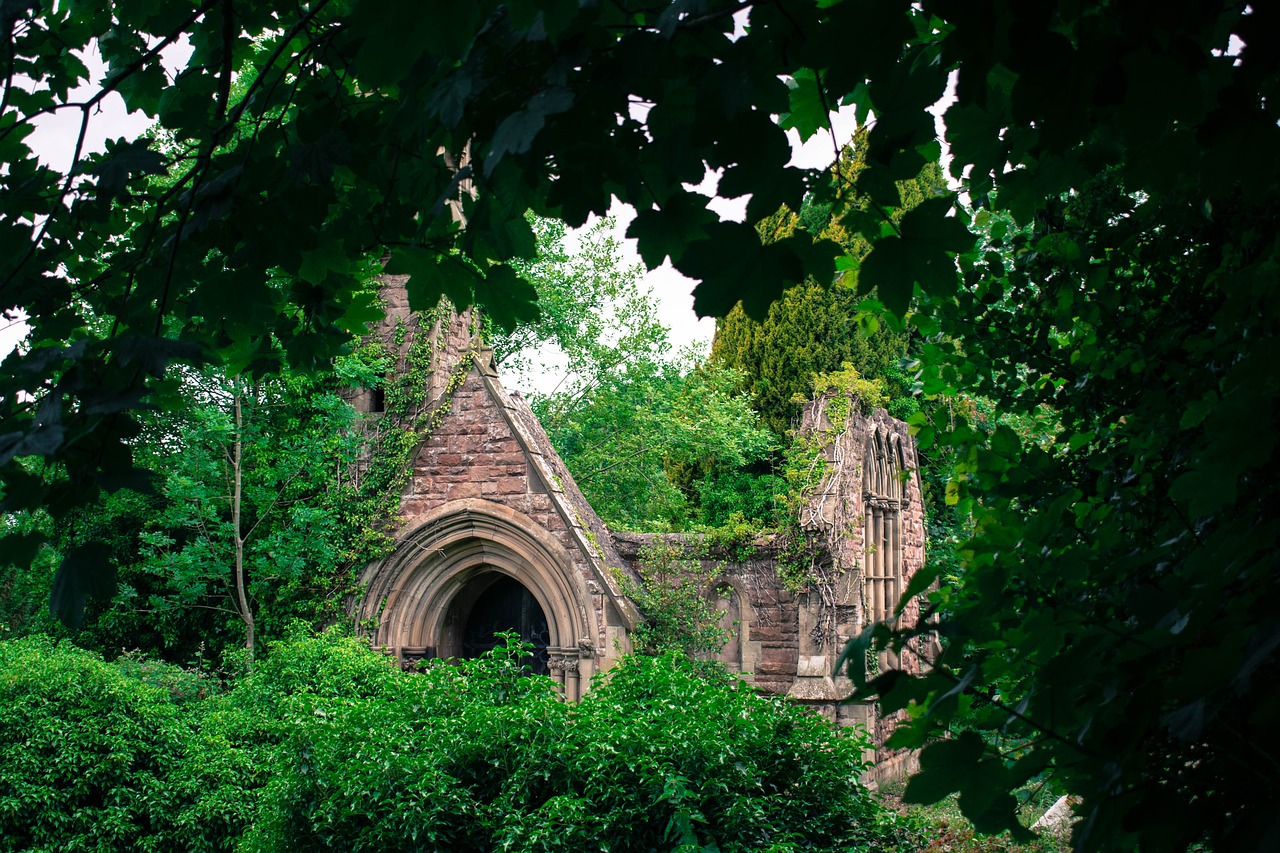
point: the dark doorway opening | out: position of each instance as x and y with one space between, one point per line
506 605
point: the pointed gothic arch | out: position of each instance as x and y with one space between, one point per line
882 496
422 597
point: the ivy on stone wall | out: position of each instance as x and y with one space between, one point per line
394 435
672 593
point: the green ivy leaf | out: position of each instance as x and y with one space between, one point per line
318 263
924 254
123 161
919 582
142 89
734 254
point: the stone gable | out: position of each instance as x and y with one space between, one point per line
486 469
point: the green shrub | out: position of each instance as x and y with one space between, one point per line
235 746
327 745
229 756
429 761
333 664
85 752
139 754
476 757
665 754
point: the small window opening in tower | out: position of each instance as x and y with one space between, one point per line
378 397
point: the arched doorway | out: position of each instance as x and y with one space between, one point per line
451 576
493 603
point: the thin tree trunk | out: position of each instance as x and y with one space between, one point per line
243 600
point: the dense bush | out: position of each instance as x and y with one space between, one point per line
662 754
86 752
139 754
233 753
657 757
327 745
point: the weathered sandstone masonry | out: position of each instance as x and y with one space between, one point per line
493 533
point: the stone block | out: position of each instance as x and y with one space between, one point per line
507 458
459 491
512 485
777 661
465 444
766 632
813 666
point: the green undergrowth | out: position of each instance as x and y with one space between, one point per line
329 745
942 828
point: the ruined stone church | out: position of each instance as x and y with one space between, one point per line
493 534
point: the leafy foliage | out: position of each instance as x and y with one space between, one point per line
1112 623
595 319
817 326
328 744
655 756
86 752
289 520
812 329
673 594
647 443
1120 589
656 442
24 589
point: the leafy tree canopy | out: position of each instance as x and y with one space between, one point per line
595 318
655 447
818 326
1117 616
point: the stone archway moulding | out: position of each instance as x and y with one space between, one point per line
409 592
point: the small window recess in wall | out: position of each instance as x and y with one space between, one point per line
378 398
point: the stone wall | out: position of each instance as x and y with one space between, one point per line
837 513
484 497
787 644
765 643
484 449
837 510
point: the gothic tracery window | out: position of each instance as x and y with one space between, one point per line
882 518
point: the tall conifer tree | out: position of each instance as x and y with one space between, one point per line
814 329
